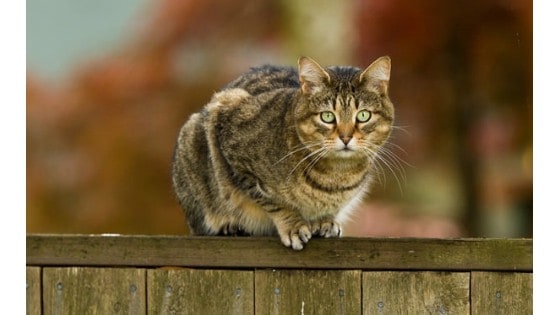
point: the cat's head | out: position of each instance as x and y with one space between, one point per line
344 111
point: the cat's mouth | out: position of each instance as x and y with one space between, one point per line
341 147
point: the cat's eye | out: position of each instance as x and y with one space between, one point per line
328 117
363 116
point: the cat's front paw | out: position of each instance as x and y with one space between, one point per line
296 237
326 228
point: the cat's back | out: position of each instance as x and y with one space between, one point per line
266 78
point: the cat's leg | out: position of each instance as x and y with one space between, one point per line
293 230
326 227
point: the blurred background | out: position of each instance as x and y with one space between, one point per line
109 84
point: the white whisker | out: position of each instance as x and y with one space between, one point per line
394 160
301 147
382 156
401 128
390 165
316 159
396 146
379 171
307 157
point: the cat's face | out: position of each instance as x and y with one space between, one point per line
344 112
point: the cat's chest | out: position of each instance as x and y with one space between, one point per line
318 194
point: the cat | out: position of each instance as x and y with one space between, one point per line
284 151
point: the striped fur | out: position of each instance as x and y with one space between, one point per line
261 158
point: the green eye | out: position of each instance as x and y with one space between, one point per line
363 116
328 117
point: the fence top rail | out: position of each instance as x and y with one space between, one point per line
268 252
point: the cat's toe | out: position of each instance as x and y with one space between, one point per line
330 229
316 228
326 228
296 238
296 242
304 233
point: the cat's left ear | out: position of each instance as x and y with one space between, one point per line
312 77
376 77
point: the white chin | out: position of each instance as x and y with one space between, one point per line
345 152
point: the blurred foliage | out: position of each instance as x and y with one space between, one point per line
99 144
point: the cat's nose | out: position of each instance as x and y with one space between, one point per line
345 139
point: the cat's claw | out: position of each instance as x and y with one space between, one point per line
297 237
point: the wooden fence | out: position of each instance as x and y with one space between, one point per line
97 274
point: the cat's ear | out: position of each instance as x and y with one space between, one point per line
312 77
376 77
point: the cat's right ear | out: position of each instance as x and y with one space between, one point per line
312 77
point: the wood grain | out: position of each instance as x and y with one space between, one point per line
389 292
190 291
502 293
78 290
252 252
33 290
307 292
116 274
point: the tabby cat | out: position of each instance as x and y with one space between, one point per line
284 151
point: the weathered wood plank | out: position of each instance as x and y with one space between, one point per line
252 252
502 293
94 291
307 292
190 291
33 290
388 292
